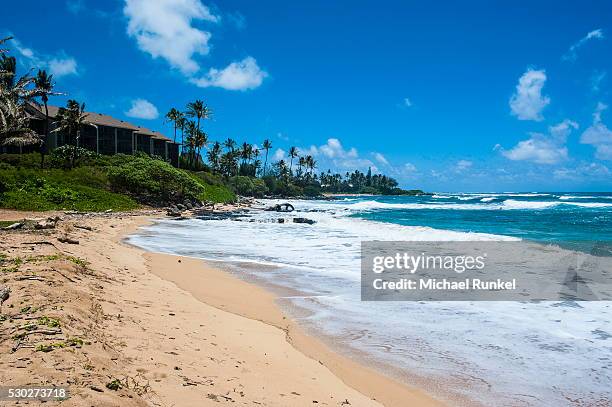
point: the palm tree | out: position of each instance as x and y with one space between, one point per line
267 145
199 110
310 163
213 156
44 84
174 116
229 144
190 128
293 152
246 152
15 95
200 140
71 119
180 123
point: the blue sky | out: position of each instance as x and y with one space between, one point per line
482 96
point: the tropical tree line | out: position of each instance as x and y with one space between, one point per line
16 94
358 182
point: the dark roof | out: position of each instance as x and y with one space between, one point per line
99 119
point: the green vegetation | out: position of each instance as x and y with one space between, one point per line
99 183
40 190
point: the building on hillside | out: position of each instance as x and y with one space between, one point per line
105 135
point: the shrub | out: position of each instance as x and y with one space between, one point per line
312 190
38 190
153 181
68 156
247 186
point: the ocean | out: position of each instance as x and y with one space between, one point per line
491 353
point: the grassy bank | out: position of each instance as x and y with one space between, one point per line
99 183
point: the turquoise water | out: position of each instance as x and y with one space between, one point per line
568 219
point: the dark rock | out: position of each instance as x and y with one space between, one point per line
286 207
66 239
281 220
181 207
173 211
303 220
48 223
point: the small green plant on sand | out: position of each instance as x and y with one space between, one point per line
114 384
50 322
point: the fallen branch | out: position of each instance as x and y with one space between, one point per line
42 332
35 278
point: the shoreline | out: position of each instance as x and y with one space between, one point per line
125 316
228 293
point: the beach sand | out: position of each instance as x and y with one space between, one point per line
173 331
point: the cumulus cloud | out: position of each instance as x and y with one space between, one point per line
58 65
380 158
407 102
241 75
279 154
527 102
598 135
572 53
165 29
335 156
142 109
543 148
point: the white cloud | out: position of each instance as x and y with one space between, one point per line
572 53
241 75
528 102
164 29
335 156
596 80
142 109
332 149
409 167
279 154
463 165
541 148
58 65
582 171
598 135
167 29
407 102
380 158
61 67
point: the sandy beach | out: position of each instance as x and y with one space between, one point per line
166 330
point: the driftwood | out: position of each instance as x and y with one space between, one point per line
42 332
34 278
84 227
40 242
